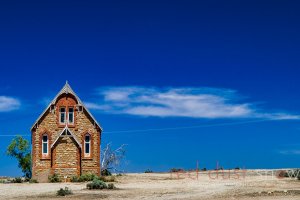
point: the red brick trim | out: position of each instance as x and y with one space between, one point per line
67 101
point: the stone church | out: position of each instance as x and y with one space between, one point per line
65 138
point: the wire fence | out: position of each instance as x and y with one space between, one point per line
164 129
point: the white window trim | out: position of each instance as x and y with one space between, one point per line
45 154
89 142
65 118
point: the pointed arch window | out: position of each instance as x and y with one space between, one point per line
87 145
45 144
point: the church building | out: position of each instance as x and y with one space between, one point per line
65 138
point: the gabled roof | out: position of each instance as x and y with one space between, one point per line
66 90
66 132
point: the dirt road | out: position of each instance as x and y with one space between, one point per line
191 186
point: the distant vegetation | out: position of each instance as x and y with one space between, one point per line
176 170
18 180
148 171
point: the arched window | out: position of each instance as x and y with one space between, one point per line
45 145
87 145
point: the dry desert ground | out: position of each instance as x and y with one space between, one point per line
255 184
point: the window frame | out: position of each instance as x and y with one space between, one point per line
65 115
47 145
73 115
90 145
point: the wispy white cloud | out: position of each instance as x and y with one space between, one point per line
209 103
95 106
290 152
9 104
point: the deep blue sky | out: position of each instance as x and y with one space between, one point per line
250 47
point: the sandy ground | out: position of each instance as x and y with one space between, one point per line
245 186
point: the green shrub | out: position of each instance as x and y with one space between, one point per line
87 177
96 184
64 192
106 178
105 172
33 181
17 180
54 178
2 181
119 174
74 179
148 171
84 178
111 186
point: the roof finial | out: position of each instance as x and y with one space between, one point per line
66 82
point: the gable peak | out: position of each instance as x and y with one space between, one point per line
66 90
